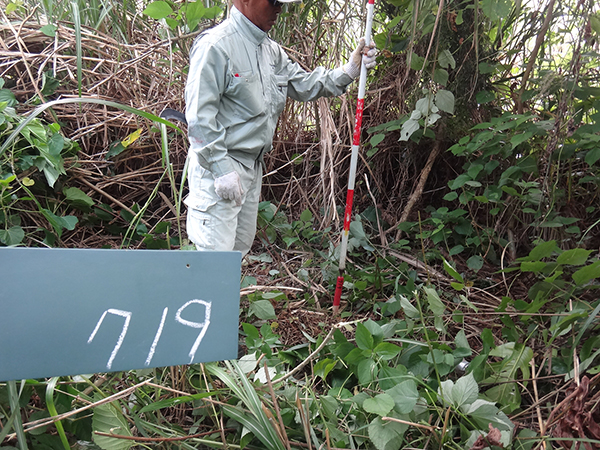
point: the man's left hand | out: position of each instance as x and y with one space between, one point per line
363 54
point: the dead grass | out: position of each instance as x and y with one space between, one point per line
307 168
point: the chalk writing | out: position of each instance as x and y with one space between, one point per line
157 336
204 325
128 315
118 312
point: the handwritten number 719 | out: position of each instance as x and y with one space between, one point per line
203 326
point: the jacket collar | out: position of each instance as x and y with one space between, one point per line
247 28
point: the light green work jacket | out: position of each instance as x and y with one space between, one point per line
237 86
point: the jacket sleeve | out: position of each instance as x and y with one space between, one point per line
306 86
207 81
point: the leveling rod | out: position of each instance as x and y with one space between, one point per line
360 104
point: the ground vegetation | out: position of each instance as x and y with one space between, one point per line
470 303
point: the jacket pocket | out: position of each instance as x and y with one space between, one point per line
201 202
280 92
245 91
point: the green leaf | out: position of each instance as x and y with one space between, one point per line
256 419
433 118
306 216
485 413
59 223
381 404
456 250
507 394
367 371
7 96
158 10
475 263
172 23
408 308
459 181
445 101
405 395
485 68
445 59
520 138
408 128
109 419
49 30
76 195
212 12
251 331
387 435
587 273
323 367
495 10
574 257
452 272
484 97
487 338
543 250
376 139
114 149
389 377
474 170
364 339
263 309
532 266
416 62
441 76
194 12
465 390
386 350
595 23
423 107
12 236
461 340
8 178
435 303
355 356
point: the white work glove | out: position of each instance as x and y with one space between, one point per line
364 54
229 187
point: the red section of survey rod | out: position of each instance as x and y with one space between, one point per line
360 106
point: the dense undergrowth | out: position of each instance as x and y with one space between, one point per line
470 303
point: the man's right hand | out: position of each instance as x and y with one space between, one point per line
229 187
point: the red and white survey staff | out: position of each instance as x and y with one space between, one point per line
354 158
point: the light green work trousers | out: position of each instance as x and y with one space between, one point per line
216 224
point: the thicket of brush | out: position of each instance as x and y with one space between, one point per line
475 234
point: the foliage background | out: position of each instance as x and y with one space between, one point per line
475 233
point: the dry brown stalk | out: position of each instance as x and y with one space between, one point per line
159 439
418 191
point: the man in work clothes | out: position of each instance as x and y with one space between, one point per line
236 89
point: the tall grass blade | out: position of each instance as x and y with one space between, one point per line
104 12
40 109
138 217
177 194
15 407
52 410
236 380
592 317
77 23
48 6
7 426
